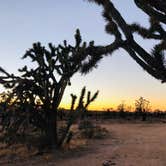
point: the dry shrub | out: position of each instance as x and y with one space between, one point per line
90 131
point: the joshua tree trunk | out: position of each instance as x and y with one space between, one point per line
52 128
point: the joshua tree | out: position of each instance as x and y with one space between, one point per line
142 106
77 111
121 109
154 62
46 82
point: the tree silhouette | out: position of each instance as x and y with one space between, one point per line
154 62
121 109
46 82
141 107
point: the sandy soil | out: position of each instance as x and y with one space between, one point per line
128 144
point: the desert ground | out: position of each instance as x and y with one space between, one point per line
127 144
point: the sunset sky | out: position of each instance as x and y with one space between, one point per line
118 77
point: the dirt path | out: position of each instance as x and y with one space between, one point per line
128 145
140 144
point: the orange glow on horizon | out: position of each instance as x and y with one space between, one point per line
129 105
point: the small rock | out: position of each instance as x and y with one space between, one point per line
107 163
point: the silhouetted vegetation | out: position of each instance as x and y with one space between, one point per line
45 83
23 125
142 106
154 116
123 32
29 111
121 109
141 112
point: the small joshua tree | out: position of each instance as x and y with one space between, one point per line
46 82
76 112
121 109
141 106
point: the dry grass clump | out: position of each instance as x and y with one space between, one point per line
90 131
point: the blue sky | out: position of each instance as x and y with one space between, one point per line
117 77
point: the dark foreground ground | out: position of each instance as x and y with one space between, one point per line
127 144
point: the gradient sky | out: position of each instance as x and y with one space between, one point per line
118 77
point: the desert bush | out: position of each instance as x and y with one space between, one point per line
85 124
90 131
27 127
100 132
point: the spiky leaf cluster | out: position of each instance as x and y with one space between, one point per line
153 62
54 66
